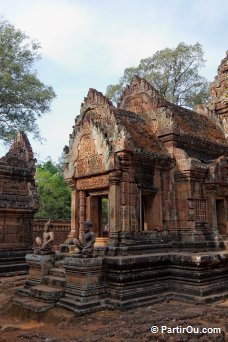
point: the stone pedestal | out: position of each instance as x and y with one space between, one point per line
85 289
39 266
66 248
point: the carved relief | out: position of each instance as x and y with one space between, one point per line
137 104
94 97
124 191
140 96
13 186
144 177
88 161
219 95
182 159
133 195
124 217
93 183
18 199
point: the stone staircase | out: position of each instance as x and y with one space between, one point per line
44 296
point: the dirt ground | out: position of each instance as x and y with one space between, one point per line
58 325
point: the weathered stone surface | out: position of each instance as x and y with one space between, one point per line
85 289
39 266
18 203
219 94
147 279
44 286
123 282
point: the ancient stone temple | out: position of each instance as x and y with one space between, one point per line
161 171
18 203
152 177
219 94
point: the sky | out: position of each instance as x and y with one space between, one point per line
88 44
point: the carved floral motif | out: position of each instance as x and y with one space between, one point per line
93 183
137 105
88 161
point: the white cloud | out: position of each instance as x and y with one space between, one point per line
109 36
89 43
61 28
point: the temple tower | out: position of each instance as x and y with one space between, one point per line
18 203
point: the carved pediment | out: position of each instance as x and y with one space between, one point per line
88 161
95 98
138 104
140 97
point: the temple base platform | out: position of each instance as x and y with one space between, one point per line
84 285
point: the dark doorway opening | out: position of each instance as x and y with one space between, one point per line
104 216
99 215
221 216
149 212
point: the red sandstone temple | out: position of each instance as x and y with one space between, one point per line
153 179
18 204
150 174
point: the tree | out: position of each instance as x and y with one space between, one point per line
23 97
54 194
173 72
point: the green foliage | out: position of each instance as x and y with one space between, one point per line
23 97
173 72
104 210
54 194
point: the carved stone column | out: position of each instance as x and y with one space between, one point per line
74 210
82 211
212 215
158 199
114 203
125 191
74 215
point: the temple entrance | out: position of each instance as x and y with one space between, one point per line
221 217
150 214
97 212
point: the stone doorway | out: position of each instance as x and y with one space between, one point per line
221 216
150 212
97 211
